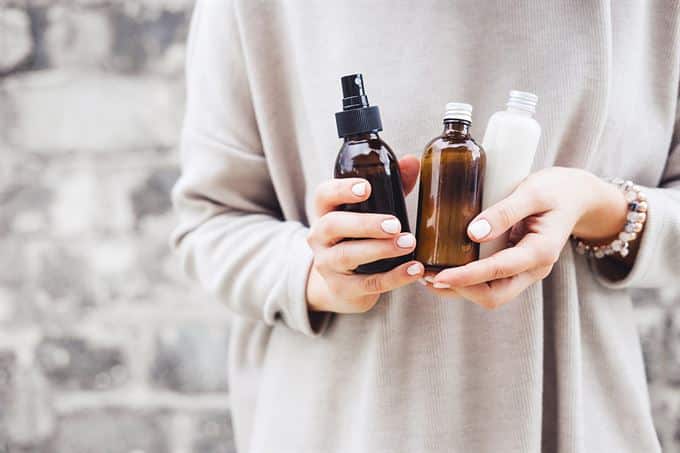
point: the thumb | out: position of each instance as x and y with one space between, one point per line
409 166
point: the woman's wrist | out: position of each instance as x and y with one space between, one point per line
624 246
317 291
604 214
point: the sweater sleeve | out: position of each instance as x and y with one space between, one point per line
231 235
658 258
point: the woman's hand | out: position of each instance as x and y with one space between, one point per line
331 285
541 214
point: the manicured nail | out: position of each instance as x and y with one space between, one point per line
441 285
391 226
422 281
406 241
479 229
359 189
414 269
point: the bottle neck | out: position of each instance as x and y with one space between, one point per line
364 136
456 127
520 111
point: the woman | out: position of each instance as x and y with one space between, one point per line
326 361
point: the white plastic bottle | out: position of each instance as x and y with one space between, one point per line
510 142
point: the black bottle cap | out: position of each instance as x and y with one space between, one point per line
357 116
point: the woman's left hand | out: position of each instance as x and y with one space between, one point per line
541 214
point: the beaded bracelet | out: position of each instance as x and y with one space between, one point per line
635 221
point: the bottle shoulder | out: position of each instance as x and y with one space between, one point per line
373 147
446 144
357 154
514 120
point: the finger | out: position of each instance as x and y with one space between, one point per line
497 219
348 255
503 264
401 275
409 167
335 192
338 225
531 252
441 292
499 292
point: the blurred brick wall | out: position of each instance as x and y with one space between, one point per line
104 346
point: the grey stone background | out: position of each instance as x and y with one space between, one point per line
104 346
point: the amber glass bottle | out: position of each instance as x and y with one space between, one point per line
364 155
450 196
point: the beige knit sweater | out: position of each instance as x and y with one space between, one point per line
559 369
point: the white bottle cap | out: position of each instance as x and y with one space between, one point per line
458 111
523 100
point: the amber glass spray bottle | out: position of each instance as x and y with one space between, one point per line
450 196
364 155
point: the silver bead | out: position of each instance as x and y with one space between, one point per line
630 196
625 237
628 185
636 216
599 253
629 227
624 253
641 206
637 227
617 245
642 197
581 248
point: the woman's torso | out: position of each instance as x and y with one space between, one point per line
559 369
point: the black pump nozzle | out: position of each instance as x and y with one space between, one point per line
357 116
353 92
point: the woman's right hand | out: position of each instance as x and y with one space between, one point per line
332 286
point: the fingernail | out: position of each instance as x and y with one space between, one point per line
440 285
359 189
422 281
479 229
413 269
406 241
429 279
391 226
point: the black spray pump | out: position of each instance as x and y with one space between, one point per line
364 155
357 116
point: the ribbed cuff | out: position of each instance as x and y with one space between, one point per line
298 316
649 259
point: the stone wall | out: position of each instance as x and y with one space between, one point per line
104 346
